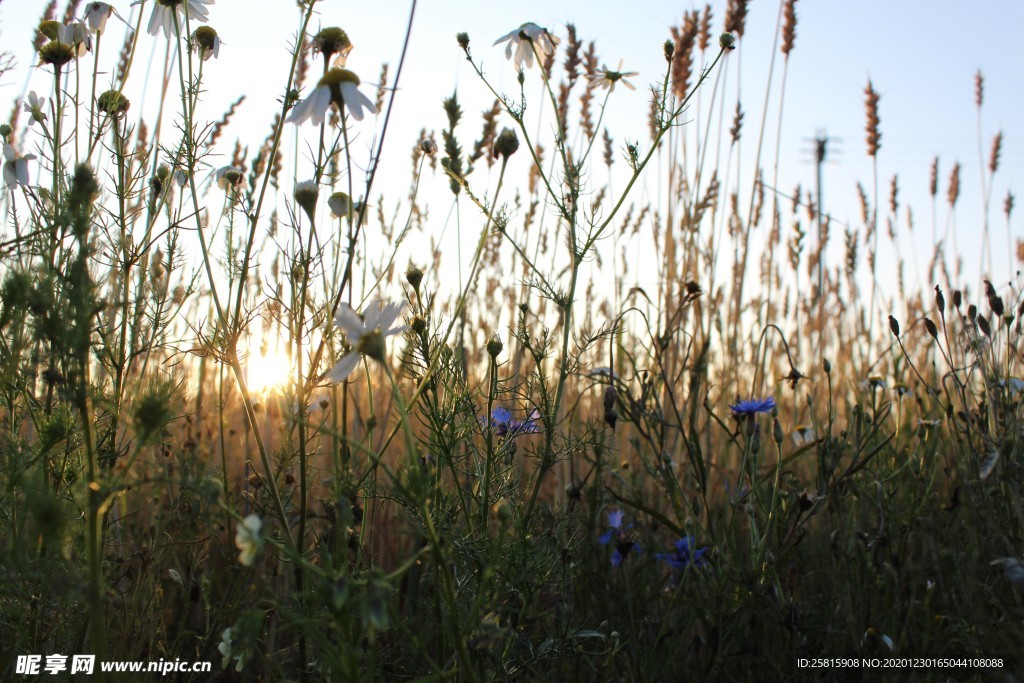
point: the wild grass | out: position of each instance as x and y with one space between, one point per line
510 462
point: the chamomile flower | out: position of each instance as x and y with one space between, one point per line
365 334
231 178
16 167
206 42
65 42
80 37
96 15
339 87
606 78
167 13
36 107
526 39
248 540
803 435
332 41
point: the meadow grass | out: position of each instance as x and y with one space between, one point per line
514 463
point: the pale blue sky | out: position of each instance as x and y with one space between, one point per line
921 56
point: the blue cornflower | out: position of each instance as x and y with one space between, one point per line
685 554
752 406
504 424
625 541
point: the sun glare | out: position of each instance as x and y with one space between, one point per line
268 371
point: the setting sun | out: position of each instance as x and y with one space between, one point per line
267 371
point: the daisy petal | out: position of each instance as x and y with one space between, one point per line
345 367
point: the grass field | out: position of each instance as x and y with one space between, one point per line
260 414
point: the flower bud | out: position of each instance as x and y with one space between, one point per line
5 131
428 146
506 144
940 301
894 326
670 49
777 431
932 330
826 366
494 347
727 41
503 511
414 276
463 40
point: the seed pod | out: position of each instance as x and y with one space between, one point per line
983 324
940 301
957 299
894 326
932 330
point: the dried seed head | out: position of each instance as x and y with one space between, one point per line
979 89
933 179
736 16
997 148
704 35
874 136
954 185
788 26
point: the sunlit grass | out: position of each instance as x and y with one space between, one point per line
242 420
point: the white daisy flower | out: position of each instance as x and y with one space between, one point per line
802 435
338 87
248 540
606 78
16 167
77 33
163 15
365 334
206 43
525 40
36 107
225 647
96 15
231 178
341 204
